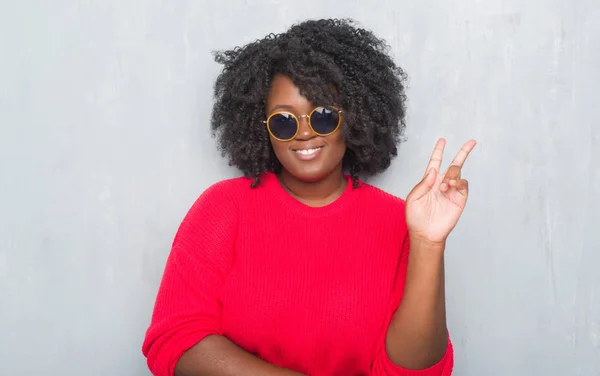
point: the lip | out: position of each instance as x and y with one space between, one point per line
308 157
308 146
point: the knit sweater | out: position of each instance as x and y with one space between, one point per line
305 288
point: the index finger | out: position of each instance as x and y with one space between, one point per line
463 153
436 157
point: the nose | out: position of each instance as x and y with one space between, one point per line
305 132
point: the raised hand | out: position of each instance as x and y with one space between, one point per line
434 206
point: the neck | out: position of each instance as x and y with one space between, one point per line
318 193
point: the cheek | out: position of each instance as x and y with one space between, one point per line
338 144
278 147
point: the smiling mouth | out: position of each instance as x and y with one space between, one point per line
308 151
308 154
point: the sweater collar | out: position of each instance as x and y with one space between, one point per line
271 183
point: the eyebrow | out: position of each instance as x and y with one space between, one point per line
282 107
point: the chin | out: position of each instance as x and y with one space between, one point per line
310 178
310 175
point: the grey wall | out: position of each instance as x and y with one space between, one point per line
104 109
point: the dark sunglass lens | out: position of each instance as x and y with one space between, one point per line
324 120
283 126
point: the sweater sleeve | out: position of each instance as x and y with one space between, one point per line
382 365
188 306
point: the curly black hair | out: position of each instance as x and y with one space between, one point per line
332 62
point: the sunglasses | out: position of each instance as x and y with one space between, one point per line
284 126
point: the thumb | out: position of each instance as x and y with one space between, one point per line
424 185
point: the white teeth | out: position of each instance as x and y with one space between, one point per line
307 151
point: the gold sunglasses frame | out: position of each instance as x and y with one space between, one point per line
340 117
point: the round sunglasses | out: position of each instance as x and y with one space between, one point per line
284 126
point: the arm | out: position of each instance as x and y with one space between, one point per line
416 324
416 341
217 355
417 337
185 335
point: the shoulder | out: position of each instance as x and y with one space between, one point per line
227 189
382 205
379 197
215 210
213 217
222 197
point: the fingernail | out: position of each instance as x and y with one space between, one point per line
443 186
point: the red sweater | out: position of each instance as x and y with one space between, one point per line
309 289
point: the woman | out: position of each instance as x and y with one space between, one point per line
297 267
